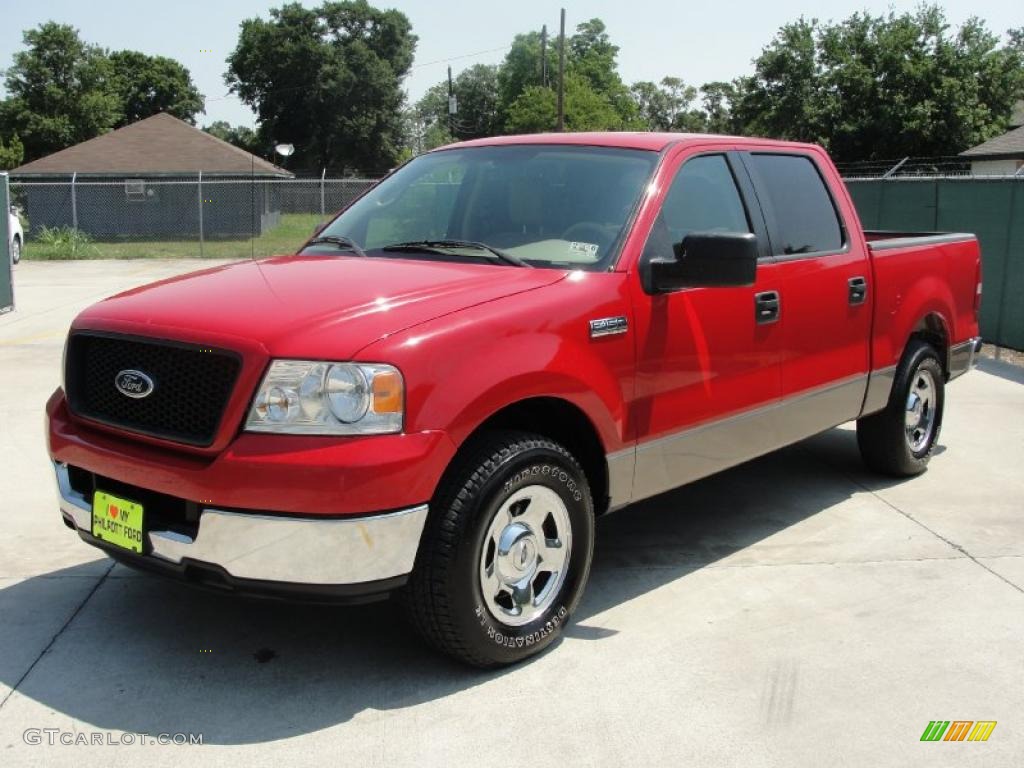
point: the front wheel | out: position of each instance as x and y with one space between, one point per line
15 250
899 440
506 551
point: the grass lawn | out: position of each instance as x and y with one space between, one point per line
293 230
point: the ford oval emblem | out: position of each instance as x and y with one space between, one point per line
132 383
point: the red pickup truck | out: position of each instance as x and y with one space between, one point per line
501 340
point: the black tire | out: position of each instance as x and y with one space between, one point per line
444 598
16 250
882 437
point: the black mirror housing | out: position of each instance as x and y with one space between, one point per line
706 260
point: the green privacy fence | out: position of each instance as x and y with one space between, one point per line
993 209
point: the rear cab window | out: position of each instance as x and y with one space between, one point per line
803 219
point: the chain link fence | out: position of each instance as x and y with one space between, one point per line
175 217
928 168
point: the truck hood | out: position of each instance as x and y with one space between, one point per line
326 307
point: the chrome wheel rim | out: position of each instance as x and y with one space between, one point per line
525 555
919 419
15 250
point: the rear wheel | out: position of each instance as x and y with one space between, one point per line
506 552
15 250
899 440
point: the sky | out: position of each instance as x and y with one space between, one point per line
698 42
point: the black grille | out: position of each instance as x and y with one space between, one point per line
191 385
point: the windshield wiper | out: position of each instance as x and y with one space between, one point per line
443 246
340 241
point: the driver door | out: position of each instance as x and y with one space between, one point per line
708 359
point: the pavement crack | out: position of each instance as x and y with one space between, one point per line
952 544
49 645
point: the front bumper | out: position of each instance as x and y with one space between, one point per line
267 554
963 357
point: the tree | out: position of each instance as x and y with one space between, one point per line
147 85
522 68
591 74
11 154
59 91
592 57
717 100
884 86
536 109
327 80
240 136
476 91
668 106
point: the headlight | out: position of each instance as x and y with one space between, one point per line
306 397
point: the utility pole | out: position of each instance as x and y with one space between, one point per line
453 106
544 56
561 75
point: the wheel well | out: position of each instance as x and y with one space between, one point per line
564 423
932 330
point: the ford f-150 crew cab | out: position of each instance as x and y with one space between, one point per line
501 340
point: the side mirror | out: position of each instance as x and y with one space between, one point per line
707 259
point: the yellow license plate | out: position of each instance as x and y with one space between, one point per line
117 521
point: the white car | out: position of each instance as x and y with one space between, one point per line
16 235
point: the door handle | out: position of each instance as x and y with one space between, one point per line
766 307
858 290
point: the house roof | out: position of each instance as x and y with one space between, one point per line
159 145
1010 144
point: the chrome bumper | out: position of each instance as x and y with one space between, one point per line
289 550
963 357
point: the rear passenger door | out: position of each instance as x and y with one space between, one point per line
824 279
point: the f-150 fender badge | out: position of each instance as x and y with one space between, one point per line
608 326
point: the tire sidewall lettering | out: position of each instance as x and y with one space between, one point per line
508 637
548 471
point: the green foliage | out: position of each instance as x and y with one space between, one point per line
515 97
147 85
59 91
522 67
292 232
592 57
476 91
668 106
536 109
240 136
11 154
884 86
328 80
65 243
717 99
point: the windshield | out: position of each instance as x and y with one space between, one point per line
548 205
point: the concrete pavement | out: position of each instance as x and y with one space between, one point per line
794 611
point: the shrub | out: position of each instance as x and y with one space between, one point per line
63 243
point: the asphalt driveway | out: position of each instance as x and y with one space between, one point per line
793 611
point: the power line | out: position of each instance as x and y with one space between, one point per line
462 56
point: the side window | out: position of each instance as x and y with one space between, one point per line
805 218
703 198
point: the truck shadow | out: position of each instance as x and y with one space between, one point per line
148 656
